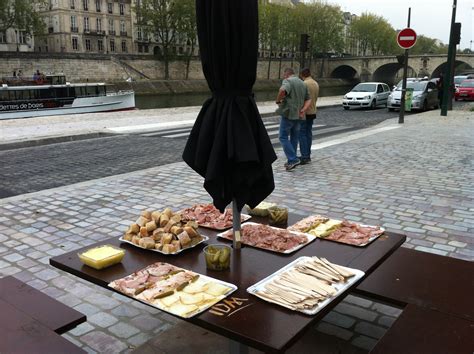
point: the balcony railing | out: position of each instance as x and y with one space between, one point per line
112 33
123 34
100 33
74 29
87 30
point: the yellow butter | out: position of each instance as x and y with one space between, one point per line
102 256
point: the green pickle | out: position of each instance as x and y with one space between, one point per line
217 258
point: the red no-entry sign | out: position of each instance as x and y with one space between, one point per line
406 38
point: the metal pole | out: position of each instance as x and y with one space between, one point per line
448 77
401 116
236 244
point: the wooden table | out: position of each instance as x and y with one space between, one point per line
245 318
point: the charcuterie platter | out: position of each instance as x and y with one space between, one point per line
208 216
270 238
342 231
173 289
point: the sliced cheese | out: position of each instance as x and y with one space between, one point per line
182 309
217 289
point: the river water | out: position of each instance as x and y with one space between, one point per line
197 99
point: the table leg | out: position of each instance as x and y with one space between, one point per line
237 348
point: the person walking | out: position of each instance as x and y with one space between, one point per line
293 100
306 129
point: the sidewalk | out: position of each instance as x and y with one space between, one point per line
416 178
18 130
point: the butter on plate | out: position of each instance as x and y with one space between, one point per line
102 256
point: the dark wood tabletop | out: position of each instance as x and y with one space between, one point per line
243 317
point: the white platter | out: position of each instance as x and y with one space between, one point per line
198 311
362 244
243 218
310 238
340 287
204 238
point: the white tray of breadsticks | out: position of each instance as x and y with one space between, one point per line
306 285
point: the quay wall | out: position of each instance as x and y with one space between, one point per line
145 74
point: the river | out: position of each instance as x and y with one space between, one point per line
197 99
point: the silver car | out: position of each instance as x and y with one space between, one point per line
367 94
425 95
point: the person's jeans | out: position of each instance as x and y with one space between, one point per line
306 137
289 128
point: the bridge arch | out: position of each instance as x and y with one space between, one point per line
391 73
344 72
459 67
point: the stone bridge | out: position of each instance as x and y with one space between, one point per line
387 69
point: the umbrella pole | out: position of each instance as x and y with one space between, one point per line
236 225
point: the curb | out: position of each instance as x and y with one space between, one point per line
52 140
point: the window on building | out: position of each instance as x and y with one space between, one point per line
139 33
122 9
110 7
72 3
100 45
88 44
75 45
3 37
97 5
123 28
112 45
124 46
99 25
22 37
73 24
111 26
86 24
145 48
140 48
85 4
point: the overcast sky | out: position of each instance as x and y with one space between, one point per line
431 18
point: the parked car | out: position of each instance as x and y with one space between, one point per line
367 94
425 95
465 90
458 79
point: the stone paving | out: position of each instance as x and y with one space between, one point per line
417 179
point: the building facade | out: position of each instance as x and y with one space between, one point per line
87 26
14 40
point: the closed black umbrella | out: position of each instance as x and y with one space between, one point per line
229 145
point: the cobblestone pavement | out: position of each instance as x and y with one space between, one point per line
417 179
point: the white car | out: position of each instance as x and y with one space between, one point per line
367 94
425 95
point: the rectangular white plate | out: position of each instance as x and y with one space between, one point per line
189 315
340 287
310 238
204 238
362 244
243 218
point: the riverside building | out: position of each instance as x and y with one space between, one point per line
87 26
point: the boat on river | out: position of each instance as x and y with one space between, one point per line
53 95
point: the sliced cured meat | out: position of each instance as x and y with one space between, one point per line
269 238
207 215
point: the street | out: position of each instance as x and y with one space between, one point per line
31 169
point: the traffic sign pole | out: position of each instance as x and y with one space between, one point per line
448 76
409 44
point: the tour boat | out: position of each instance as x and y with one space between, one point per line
52 95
